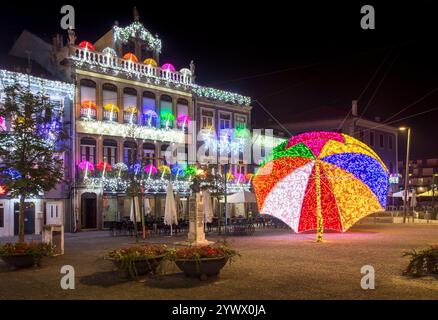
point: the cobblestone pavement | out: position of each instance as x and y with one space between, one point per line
275 264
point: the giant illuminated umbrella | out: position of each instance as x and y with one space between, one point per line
321 180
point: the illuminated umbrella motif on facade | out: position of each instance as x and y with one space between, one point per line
183 120
135 168
239 177
131 57
149 115
87 166
321 180
120 166
109 51
150 169
177 170
190 171
164 170
87 45
103 166
168 67
111 107
89 105
166 118
150 62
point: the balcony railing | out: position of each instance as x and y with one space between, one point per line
110 116
129 117
88 113
119 64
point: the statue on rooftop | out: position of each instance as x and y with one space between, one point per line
71 36
136 15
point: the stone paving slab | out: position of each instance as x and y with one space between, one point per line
275 264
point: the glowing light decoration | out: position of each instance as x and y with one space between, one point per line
136 30
177 170
14 174
109 52
130 57
183 120
167 118
2 190
103 166
86 165
129 130
168 67
87 45
150 62
150 169
164 170
321 180
190 171
149 117
120 166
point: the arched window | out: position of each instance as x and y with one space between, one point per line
110 151
88 99
149 153
129 152
149 109
182 106
166 111
88 150
129 105
109 98
165 154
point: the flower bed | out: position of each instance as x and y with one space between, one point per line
137 260
203 261
25 255
422 263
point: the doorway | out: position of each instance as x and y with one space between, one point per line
89 211
29 217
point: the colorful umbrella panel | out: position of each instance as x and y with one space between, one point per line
321 180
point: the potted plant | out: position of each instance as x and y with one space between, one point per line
138 259
24 255
203 261
422 263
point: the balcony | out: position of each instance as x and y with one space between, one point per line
129 117
88 113
110 116
84 57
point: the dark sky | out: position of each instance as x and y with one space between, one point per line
253 48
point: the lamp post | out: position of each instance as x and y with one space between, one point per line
408 146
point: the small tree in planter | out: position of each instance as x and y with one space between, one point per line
30 145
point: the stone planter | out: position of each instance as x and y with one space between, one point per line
19 261
138 267
202 268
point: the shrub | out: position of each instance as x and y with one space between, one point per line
422 263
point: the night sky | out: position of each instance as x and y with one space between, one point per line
290 58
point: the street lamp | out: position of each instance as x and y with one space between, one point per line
408 145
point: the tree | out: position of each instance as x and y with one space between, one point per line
30 146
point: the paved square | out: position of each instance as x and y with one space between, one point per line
275 264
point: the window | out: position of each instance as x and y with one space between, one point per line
164 154
130 105
371 138
182 110
149 153
2 215
129 152
166 111
224 121
240 121
207 119
381 141
88 150
149 109
88 90
390 142
110 151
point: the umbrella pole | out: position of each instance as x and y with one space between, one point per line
319 221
